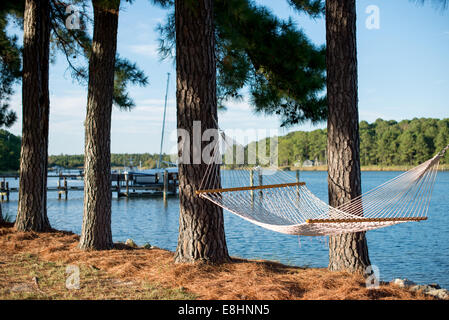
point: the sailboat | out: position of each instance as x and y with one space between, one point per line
155 176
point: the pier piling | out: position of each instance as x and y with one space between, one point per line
165 186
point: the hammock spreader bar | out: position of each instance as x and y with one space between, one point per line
365 220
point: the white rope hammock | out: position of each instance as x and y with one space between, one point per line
278 201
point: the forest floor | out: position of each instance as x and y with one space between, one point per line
34 266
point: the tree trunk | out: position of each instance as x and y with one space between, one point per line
201 227
45 11
347 251
96 230
32 210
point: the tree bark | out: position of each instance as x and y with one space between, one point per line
201 227
32 209
347 251
96 231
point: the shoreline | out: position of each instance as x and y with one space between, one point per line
442 167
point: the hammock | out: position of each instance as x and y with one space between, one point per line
278 201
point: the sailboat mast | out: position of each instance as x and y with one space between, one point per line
163 122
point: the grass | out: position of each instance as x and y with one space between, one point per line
19 271
137 273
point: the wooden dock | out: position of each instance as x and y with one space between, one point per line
122 184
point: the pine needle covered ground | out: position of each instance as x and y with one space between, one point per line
33 266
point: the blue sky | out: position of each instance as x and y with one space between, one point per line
403 73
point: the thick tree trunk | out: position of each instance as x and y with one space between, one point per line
96 230
201 228
32 210
348 251
45 12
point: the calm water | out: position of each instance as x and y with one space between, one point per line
418 250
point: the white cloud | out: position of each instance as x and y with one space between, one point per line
155 103
237 105
71 104
148 50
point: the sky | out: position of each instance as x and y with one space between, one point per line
403 69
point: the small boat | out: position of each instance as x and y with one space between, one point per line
152 176
155 176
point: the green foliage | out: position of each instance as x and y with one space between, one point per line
73 43
77 44
283 70
313 7
437 4
10 61
9 151
126 72
383 143
298 146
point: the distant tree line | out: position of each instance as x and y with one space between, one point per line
9 151
385 143
10 156
146 160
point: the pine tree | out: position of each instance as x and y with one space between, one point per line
76 46
201 226
346 251
407 148
32 210
441 141
41 27
96 230
423 149
275 60
366 143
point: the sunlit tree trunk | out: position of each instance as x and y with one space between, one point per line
347 251
201 229
96 230
32 210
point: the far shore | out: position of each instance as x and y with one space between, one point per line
442 167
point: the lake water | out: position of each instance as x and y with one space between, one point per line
418 251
